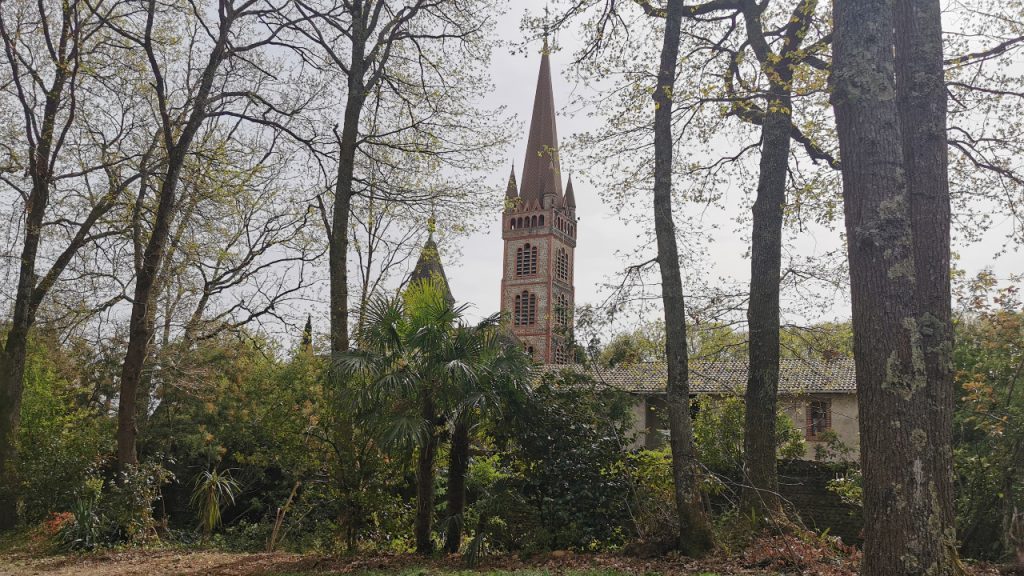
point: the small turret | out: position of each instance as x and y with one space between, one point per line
512 191
570 198
429 267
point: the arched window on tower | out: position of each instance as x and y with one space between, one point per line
561 354
526 260
533 221
524 313
562 264
562 312
541 219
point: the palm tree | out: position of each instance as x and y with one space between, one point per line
213 488
425 373
405 356
499 374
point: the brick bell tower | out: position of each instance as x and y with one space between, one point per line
538 226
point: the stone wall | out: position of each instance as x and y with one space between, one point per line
804 486
803 483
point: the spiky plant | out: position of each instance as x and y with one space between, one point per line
213 488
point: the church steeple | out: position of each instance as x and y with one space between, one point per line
541 172
512 191
539 230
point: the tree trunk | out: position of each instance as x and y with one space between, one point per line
141 324
140 329
338 254
458 465
921 101
343 191
695 536
759 441
904 431
425 484
12 380
13 357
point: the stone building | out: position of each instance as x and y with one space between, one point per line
818 396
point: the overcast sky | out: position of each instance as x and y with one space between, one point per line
475 276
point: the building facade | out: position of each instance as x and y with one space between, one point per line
538 226
818 396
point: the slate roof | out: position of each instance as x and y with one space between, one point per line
429 267
796 376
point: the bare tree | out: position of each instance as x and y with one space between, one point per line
222 76
64 154
401 54
695 536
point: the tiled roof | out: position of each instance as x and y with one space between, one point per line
796 376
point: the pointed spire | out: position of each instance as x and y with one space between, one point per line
541 169
512 191
570 198
307 334
429 267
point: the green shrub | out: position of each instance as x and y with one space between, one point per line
109 513
85 529
61 442
653 496
718 434
243 536
988 443
560 479
127 503
830 448
212 491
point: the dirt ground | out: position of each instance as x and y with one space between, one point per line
177 562
154 562
196 563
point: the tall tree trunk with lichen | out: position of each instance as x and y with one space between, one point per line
695 536
921 101
893 171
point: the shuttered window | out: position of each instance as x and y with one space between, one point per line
819 418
